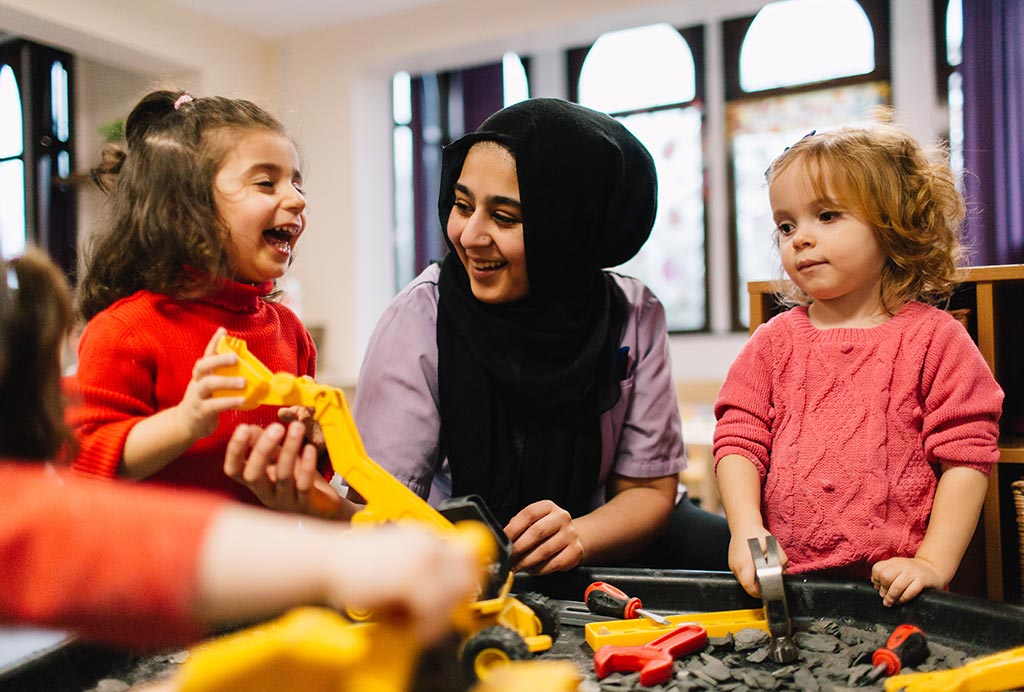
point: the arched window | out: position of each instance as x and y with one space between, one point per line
612 76
648 78
949 34
513 76
37 196
813 54
12 166
402 159
788 74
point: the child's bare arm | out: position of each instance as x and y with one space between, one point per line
739 486
255 563
163 437
955 511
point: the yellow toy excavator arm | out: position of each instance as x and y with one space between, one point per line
387 499
497 627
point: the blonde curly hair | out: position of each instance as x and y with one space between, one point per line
906 193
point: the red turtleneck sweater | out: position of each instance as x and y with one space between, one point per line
135 358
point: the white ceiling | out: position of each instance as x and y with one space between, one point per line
276 19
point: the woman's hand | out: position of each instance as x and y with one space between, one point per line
544 539
741 562
281 470
901 579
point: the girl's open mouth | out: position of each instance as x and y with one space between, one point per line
280 239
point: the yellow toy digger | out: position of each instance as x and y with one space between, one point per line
318 650
500 628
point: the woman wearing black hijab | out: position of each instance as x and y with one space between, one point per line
520 371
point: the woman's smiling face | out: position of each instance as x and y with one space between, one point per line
486 225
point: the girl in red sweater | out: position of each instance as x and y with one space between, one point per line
859 427
206 207
111 562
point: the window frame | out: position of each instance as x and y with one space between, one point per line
51 209
943 70
734 31
695 38
465 97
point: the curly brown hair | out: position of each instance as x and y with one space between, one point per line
35 324
161 215
907 193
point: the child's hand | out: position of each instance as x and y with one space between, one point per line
303 414
741 562
199 410
403 572
901 579
281 470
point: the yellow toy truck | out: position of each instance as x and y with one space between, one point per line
318 650
501 628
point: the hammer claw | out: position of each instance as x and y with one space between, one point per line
768 569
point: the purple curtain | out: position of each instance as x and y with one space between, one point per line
993 74
483 94
446 105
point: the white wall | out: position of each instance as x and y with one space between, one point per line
104 94
125 49
332 88
350 67
152 38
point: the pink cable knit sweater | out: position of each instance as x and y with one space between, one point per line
846 426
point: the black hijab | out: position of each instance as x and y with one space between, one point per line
522 385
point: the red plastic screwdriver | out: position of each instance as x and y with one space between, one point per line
604 599
906 646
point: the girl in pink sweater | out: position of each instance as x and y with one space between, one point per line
860 426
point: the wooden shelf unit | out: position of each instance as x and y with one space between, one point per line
994 299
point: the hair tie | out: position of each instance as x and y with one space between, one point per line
769 169
182 100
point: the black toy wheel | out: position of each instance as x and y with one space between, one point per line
490 648
545 610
